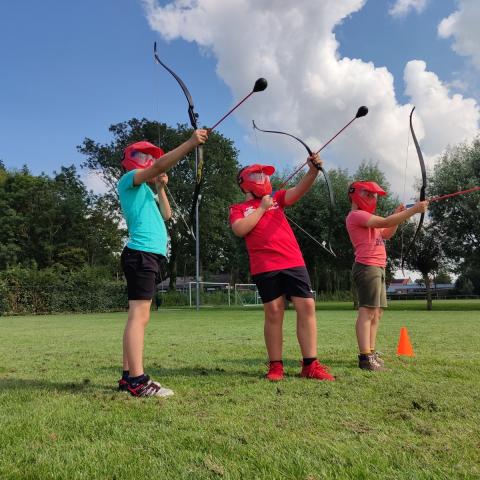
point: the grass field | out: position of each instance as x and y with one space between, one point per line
61 417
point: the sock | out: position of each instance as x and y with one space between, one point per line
138 380
308 361
364 355
276 361
125 374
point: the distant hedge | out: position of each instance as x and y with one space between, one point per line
26 291
53 290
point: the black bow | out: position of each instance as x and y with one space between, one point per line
422 189
193 116
326 244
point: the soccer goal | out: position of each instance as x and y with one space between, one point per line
211 293
246 294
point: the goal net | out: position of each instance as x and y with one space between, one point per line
211 293
246 294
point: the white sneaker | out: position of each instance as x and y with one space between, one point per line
149 388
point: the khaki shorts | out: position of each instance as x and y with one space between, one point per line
370 283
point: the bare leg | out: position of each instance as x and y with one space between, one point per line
306 326
273 329
374 327
363 328
138 317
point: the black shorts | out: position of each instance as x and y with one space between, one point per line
291 282
142 271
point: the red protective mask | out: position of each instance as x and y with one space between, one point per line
255 179
140 155
365 194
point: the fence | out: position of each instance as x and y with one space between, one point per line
103 296
435 296
211 293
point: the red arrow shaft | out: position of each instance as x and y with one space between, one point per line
461 192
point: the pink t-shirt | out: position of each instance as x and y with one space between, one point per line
271 244
368 242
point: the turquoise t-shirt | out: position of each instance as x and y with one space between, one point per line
146 228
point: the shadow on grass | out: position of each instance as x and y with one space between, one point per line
202 372
84 386
157 371
328 360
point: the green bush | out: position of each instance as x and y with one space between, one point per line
57 290
173 299
340 296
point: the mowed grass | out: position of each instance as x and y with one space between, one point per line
62 418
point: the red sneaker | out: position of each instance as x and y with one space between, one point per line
275 372
316 370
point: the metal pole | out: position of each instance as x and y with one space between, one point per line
197 241
197 253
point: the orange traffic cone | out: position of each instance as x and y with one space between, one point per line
404 345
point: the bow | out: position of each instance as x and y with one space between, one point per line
193 116
259 86
361 112
422 189
325 244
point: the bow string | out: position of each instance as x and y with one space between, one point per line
326 244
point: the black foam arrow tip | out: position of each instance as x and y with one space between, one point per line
260 85
362 111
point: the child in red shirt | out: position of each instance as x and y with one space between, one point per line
368 233
277 265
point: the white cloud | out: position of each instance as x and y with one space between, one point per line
313 92
93 181
447 119
402 7
462 25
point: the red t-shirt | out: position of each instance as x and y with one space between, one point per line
271 244
368 242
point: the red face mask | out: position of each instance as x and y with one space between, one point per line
255 179
365 194
140 155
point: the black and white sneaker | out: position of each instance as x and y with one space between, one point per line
123 385
148 388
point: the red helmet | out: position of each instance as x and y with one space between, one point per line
255 179
364 194
140 155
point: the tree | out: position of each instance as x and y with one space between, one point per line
312 214
458 218
442 277
219 190
464 286
46 221
427 257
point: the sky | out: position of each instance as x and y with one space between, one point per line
72 69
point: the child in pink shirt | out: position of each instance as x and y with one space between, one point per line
367 233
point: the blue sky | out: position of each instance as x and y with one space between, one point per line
71 69
374 35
